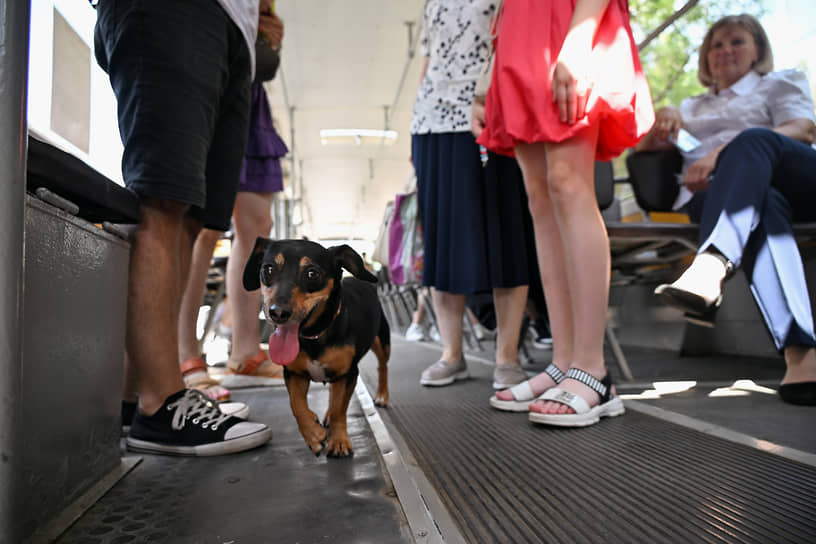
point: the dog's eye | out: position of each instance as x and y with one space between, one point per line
267 274
312 275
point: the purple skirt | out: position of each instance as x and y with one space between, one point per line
261 171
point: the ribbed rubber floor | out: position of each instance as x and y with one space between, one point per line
279 493
629 479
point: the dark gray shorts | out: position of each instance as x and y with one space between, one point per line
181 74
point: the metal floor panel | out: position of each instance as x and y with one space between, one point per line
279 493
634 478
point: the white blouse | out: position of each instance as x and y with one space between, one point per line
244 13
754 101
455 37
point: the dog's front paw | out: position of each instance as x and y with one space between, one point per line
339 445
315 436
381 399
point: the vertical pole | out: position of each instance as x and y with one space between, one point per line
14 21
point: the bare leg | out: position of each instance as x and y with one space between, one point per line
801 364
449 308
194 292
251 218
570 177
532 159
159 259
509 304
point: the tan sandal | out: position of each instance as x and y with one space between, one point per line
255 371
195 374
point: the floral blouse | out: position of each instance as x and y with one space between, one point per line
455 37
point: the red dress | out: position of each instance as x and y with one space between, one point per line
519 106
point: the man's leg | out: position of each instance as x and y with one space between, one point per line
153 295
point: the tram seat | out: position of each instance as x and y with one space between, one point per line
664 237
656 249
74 302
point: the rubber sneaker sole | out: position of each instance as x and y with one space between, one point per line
447 380
234 445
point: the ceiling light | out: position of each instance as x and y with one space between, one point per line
357 136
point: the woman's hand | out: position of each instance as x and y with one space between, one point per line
696 178
477 118
270 28
571 88
571 81
668 122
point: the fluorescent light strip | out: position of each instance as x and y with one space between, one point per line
358 132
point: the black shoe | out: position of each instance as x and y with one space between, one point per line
189 423
237 409
128 411
800 393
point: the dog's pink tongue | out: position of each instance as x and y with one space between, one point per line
283 344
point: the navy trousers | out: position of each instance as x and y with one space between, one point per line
762 183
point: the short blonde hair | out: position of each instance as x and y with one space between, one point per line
764 63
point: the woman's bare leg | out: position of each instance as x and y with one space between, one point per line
194 293
251 218
449 309
509 304
532 159
570 179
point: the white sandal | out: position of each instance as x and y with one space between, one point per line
523 394
609 406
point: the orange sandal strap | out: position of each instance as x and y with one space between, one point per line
193 364
251 364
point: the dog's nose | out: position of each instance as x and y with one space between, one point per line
278 313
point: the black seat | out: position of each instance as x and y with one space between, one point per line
99 198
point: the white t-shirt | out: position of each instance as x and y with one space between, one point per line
754 101
244 13
455 37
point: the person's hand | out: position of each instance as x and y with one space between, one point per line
571 85
477 119
668 122
696 178
270 27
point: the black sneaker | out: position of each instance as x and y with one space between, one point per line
189 423
237 409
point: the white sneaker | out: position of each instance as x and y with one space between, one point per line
434 334
415 333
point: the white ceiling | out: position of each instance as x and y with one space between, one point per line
344 62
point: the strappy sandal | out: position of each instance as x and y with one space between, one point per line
195 374
523 394
255 371
609 406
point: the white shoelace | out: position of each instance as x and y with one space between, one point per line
196 407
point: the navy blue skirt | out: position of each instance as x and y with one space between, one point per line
476 225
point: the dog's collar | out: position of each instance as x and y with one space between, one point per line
318 335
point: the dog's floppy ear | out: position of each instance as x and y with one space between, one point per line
351 261
252 270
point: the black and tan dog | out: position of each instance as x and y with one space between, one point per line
324 324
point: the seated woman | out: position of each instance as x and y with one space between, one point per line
752 176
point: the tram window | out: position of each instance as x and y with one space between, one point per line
71 89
